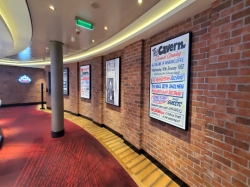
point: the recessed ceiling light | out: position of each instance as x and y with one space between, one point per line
93 41
47 49
106 28
140 1
51 7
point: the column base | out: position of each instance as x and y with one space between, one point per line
57 134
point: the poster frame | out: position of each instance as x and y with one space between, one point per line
119 88
89 81
67 71
188 80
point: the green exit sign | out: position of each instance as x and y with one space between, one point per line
84 24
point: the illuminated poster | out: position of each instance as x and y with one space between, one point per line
113 81
169 81
65 81
85 81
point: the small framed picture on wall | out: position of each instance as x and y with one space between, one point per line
113 81
66 81
85 81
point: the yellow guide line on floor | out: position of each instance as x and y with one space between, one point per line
141 169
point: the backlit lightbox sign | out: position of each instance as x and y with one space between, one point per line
24 79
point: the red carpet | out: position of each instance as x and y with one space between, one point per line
31 158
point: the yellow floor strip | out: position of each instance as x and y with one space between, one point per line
141 169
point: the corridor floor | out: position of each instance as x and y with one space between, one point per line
30 157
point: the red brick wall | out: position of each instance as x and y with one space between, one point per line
132 100
92 108
228 96
70 101
13 92
180 151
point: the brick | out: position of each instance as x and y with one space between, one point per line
241 47
243 121
219 51
237 143
240 14
232 25
244 88
220 22
223 145
229 57
237 111
234 173
242 137
216 80
244 71
221 7
247 20
227 72
225 102
242 153
226 117
231 41
238 95
243 104
232 9
238 183
222 160
226 87
237 127
240 169
239 63
246 54
241 31
223 131
239 79
222 174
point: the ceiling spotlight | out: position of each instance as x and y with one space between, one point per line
93 41
106 28
78 31
73 39
47 49
51 7
139 1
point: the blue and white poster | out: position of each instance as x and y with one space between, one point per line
85 81
169 81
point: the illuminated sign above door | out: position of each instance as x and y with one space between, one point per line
24 79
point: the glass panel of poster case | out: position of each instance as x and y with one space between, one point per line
65 81
85 81
169 81
113 81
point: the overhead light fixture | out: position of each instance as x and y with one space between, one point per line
93 41
73 39
106 28
47 49
51 7
139 1
84 24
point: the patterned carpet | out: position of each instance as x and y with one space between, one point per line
31 158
